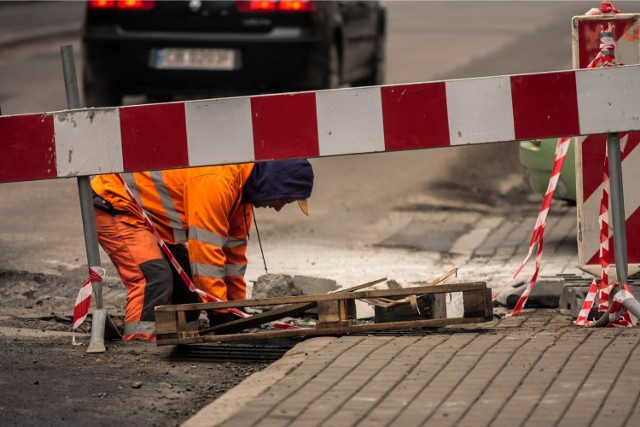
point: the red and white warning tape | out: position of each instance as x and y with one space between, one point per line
588 304
83 301
605 7
603 220
606 56
538 230
619 316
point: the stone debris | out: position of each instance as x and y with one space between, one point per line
283 285
310 285
274 286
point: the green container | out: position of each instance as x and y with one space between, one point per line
536 158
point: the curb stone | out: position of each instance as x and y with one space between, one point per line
238 397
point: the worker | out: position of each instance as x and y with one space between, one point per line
204 216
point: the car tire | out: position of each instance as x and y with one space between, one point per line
101 94
333 76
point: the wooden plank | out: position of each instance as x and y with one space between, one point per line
258 319
474 303
182 321
371 327
358 287
333 325
488 305
166 322
329 312
458 287
350 309
335 309
440 306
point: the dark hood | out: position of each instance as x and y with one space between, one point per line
279 180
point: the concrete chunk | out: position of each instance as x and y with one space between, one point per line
282 285
274 286
314 285
545 294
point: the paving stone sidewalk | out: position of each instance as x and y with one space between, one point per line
532 370
536 369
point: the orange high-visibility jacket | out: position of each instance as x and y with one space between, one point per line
199 206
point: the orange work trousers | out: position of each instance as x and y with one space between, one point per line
146 273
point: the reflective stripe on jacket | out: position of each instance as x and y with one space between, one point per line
201 206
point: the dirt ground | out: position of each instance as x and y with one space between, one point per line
46 381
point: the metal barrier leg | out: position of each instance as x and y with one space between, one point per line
618 218
99 317
619 226
617 207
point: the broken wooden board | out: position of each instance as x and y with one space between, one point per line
278 313
336 313
430 306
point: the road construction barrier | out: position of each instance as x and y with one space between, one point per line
624 310
83 142
316 124
590 150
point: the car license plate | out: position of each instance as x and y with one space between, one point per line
195 59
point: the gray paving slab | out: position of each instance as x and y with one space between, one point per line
535 369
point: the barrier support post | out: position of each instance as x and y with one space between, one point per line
99 317
617 207
618 220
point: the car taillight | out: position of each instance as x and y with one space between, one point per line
102 4
297 6
123 4
276 5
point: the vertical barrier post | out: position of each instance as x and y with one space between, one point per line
96 345
617 207
618 219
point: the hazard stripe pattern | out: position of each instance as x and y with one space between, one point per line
625 34
323 123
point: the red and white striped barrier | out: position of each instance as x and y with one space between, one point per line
623 29
83 301
323 123
606 58
591 149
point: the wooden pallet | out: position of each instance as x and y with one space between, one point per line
336 314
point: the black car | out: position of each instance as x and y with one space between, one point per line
167 48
